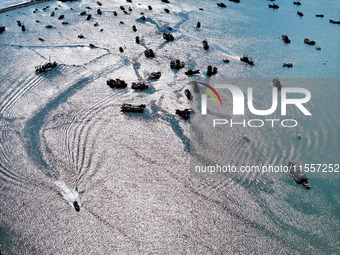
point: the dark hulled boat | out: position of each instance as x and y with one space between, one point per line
188 94
149 53
247 60
185 114
192 72
273 6
116 84
168 37
2 29
133 108
46 67
139 86
287 65
334 21
177 64
308 41
222 5
285 38
155 75
298 176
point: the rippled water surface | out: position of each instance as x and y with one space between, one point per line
63 137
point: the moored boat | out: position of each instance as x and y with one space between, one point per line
116 84
285 38
185 114
334 21
192 72
133 108
287 65
308 41
177 64
188 94
139 86
273 6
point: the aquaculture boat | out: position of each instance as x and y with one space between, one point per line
221 5
285 38
139 86
188 94
287 65
273 6
155 76
308 41
192 72
177 64
185 114
168 37
118 84
133 108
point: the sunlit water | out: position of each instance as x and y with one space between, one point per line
64 139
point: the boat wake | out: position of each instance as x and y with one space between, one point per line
69 195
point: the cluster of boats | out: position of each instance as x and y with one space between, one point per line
177 64
211 70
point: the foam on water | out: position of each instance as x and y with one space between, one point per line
70 195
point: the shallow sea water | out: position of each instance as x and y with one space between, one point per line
64 139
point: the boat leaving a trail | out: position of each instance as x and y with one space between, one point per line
298 176
46 67
247 60
277 83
